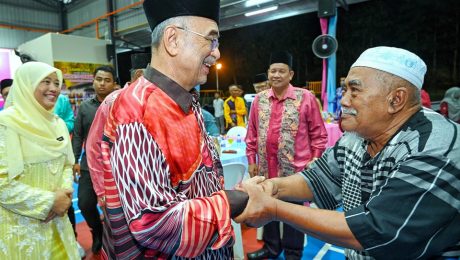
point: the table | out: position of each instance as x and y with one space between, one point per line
333 133
239 157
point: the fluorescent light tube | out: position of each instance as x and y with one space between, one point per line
264 10
255 2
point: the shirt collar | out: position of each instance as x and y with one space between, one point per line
289 93
95 100
182 97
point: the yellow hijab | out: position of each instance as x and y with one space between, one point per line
33 134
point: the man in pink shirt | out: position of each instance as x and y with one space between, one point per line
285 133
93 143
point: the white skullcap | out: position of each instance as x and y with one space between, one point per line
396 61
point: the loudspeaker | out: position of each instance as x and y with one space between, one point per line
110 49
324 46
326 8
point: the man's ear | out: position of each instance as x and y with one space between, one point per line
397 100
170 41
291 75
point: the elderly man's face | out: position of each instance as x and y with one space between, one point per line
234 91
364 102
197 55
261 86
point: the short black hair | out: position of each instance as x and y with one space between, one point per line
5 83
106 68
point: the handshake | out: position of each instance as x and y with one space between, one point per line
261 207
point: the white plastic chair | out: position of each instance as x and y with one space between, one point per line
249 97
237 130
233 174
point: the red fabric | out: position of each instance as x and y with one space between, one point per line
187 220
93 143
444 109
426 101
178 135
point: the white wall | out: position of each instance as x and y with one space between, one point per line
53 47
40 49
79 49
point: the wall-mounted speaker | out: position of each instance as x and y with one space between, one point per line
110 50
326 8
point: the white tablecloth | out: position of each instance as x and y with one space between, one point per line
239 157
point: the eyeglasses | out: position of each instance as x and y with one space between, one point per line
214 41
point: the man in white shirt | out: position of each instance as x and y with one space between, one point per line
218 104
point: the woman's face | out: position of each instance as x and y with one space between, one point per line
48 91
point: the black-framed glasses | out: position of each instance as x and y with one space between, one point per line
214 41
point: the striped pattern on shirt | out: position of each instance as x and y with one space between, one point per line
147 216
404 203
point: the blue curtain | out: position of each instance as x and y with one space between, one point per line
331 70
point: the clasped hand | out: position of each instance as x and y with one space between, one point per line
62 202
261 206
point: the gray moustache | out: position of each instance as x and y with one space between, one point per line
349 111
210 60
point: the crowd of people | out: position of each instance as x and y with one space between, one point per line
145 155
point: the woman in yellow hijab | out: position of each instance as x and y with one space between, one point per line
35 169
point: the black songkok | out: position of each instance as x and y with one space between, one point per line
158 11
281 57
260 78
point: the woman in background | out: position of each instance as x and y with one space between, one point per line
35 169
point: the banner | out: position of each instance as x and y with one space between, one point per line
76 74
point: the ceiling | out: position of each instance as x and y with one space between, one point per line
232 16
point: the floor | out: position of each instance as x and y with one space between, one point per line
314 248
250 243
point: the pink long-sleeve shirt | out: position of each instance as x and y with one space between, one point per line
93 143
309 142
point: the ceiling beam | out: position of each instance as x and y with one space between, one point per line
53 4
344 4
20 4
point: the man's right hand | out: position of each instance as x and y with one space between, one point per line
261 208
76 172
253 169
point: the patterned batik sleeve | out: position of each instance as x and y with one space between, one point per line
18 197
251 136
324 179
160 217
414 214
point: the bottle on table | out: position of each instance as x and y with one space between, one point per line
239 142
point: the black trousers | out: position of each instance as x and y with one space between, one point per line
87 202
71 214
292 241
